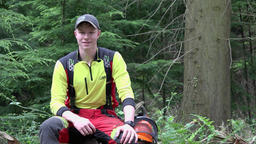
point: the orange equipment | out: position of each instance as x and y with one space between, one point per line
145 128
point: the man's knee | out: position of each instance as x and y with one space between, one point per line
53 124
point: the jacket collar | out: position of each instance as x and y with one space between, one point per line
96 58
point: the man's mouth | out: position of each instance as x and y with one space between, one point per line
86 43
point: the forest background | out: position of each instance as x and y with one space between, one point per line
150 35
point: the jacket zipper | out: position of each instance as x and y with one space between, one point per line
86 87
90 72
86 79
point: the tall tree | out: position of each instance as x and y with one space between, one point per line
207 62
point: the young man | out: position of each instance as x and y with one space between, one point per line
92 111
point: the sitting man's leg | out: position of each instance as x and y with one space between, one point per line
49 130
106 123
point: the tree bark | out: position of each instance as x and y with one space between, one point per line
207 62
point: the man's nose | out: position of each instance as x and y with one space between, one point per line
86 36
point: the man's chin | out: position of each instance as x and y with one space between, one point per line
85 47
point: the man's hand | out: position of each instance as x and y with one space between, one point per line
84 126
128 134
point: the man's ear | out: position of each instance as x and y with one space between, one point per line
99 32
75 32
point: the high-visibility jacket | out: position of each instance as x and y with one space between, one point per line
89 82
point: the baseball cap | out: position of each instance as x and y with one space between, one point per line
88 18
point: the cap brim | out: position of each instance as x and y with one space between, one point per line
88 22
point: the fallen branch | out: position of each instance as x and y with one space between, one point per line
252 141
10 140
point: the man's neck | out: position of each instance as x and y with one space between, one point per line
88 55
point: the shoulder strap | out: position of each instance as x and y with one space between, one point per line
69 62
107 56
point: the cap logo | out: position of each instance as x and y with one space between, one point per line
81 19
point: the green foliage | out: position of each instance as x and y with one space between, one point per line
170 131
24 124
155 76
19 62
243 68
200 130
23 127
148 34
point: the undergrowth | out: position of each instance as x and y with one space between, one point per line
176 133
25 128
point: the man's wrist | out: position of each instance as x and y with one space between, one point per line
70 116
131 123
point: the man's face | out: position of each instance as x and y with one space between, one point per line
87 36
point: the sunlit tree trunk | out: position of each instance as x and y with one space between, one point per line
207 61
